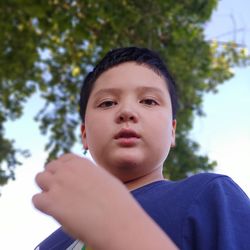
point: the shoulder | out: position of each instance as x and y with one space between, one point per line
211 183
186 190
192 211
215 191
218 206
204 178
190 189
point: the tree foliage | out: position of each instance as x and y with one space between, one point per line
48 46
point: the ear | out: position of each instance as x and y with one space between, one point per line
84 136
174 123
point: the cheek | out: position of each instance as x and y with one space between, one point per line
94 135
97 135
163 143
162 135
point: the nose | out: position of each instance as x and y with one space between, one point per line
126 115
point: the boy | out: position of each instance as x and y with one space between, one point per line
128 109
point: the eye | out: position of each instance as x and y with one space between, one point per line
107 104
149 102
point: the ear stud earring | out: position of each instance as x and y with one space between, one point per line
85 151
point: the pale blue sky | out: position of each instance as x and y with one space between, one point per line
224 134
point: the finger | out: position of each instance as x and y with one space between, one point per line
67 157
52 166
42 202
44 180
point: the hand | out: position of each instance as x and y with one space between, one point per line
76 193
95 207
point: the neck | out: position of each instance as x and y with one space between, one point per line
144 180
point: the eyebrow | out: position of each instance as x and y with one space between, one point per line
107 91
149 89
118 90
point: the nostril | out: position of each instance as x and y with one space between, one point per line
126 116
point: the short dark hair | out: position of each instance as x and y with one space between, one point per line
141 56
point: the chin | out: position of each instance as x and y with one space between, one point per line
129 156
124 166
128 164
129 160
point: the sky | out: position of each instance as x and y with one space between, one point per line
224 135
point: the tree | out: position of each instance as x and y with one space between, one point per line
48 46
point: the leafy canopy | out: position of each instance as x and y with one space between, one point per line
48 46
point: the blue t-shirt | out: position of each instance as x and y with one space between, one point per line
204 211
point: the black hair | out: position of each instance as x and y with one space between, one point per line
141 56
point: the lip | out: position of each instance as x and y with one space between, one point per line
127 137
126 133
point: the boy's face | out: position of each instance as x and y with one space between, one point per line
128 124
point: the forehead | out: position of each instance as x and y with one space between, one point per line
130 75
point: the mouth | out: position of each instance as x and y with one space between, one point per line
126 134
127 137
